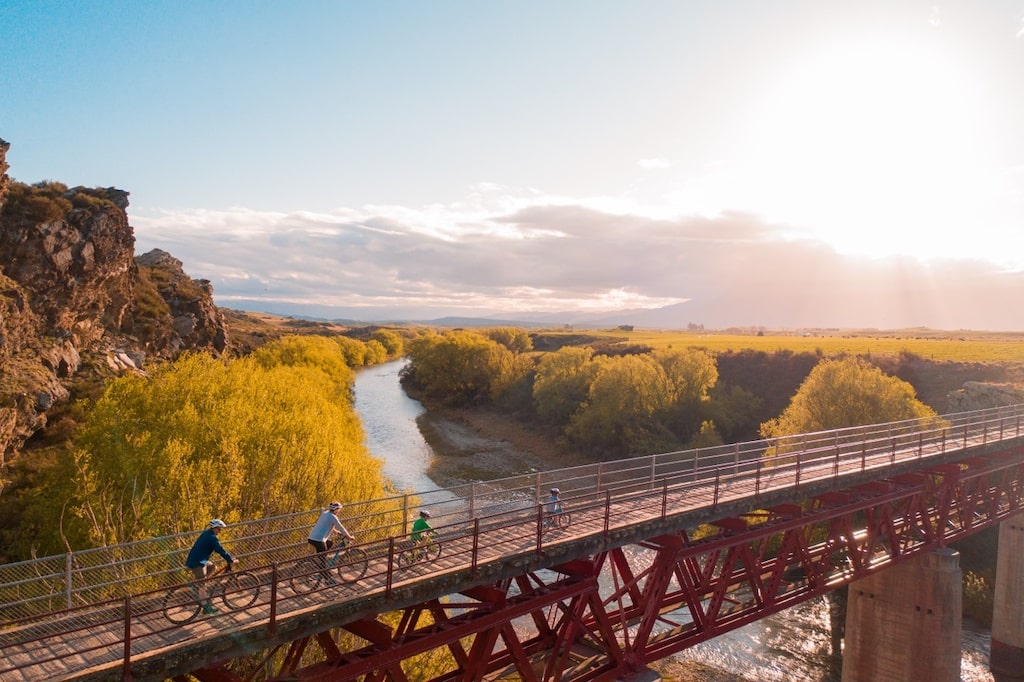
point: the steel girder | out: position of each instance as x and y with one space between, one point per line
604 616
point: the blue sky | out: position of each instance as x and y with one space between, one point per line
389 159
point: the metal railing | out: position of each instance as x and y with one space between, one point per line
483 525
76 579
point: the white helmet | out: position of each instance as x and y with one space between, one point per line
217 523
555 491
334 506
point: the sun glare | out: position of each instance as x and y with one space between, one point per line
876 147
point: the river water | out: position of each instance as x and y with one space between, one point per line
792 646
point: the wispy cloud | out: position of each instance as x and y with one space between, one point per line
386 262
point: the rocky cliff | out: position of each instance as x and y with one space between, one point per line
77 306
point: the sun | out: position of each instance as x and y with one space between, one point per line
877 144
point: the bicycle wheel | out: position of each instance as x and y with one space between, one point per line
181 604
408 556
432 550
306 575
240 590
564 519
353 565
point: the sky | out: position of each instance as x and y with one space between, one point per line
794 163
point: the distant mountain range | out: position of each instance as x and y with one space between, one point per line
678 316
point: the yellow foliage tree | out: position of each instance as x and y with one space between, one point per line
268 434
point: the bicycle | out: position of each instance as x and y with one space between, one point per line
347 561
427 548
558 519
237 590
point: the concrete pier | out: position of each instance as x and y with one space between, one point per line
1007 654
904 622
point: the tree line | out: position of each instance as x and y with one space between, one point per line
636 400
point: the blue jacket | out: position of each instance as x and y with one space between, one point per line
206 544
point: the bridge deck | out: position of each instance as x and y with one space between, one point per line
89 642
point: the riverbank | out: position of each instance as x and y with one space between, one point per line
481 444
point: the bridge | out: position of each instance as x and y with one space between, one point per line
663 552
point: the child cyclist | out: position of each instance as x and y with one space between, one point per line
552 507
421 531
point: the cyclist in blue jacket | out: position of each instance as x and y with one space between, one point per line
198 560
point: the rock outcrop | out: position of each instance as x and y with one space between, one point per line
75 300
976 395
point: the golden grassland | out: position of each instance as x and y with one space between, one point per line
932 345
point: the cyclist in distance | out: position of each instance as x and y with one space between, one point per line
320 535
553 505
198 560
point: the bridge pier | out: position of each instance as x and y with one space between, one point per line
903 623
1006 660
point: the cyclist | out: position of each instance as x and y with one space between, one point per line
320 535
552 506
421 530
198 560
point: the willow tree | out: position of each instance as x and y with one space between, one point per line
263 435
844 392
460 367
619 414
562 383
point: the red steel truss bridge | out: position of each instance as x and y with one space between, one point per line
662 552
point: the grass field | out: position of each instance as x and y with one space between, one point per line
927 344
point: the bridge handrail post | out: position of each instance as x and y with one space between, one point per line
714 501
405 514
736 459
68 564
272 625
540 528
835 462
757 480
607 511
389 579
126 670
664 498
892 451
863 455
799 467
965 435
476 545
654 464
920 445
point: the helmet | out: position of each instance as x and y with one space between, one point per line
424 513
555 491
334 506
217 523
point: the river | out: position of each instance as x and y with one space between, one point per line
792 646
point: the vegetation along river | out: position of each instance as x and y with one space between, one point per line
788 647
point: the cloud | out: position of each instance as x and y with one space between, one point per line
649 164
475 259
